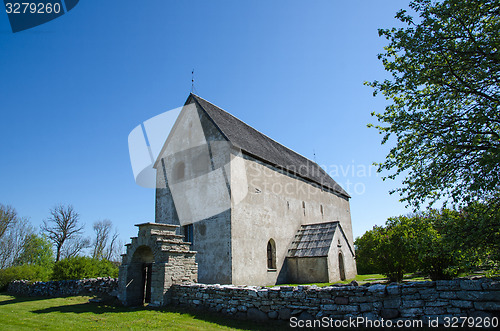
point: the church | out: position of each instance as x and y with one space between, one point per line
246 209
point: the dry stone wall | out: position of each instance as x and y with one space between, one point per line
64 288
416 300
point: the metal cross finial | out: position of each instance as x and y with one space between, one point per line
192 81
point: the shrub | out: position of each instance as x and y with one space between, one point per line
83 267
23 272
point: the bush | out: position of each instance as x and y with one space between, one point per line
23 272
83 267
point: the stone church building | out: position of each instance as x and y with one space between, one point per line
241 208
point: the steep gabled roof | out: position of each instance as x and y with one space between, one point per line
262 147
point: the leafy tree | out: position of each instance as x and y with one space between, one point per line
435 252
365 246
476 232
445 97
36 250
63 228
83 267
387 250
424 242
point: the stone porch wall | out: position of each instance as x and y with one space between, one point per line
416 300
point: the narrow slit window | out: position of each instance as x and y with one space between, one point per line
271 255
188 233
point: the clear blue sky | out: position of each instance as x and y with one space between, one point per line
71 91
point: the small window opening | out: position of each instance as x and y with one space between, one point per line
304 207
321 207
271 255
188 233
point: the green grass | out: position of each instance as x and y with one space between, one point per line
76 313
363 279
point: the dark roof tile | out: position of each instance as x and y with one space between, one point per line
268 150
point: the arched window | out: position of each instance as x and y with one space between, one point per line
179 170
271 254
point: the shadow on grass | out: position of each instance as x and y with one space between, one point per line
202 315
19 299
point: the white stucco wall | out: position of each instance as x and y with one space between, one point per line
273 208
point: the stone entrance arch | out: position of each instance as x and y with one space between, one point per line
155 259
139 276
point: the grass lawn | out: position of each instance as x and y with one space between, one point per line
76 313
363 279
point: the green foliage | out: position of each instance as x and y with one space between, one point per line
83 267
477 233
436 253
386 250
424 242
445 95
366 260
23 272
36 250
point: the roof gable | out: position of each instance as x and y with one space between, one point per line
264 148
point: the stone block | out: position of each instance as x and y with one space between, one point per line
437 303
363 307
447 285
434 310
479 295
377 288
389 313
492 285
255 314
448 295
407 312
474 285
272 315
412 303
284 314
461 303
487 305
392 303
342 300
393 289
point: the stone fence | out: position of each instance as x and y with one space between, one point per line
407 301
64 287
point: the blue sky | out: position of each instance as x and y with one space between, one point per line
71 90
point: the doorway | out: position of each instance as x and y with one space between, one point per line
140 273
341 267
